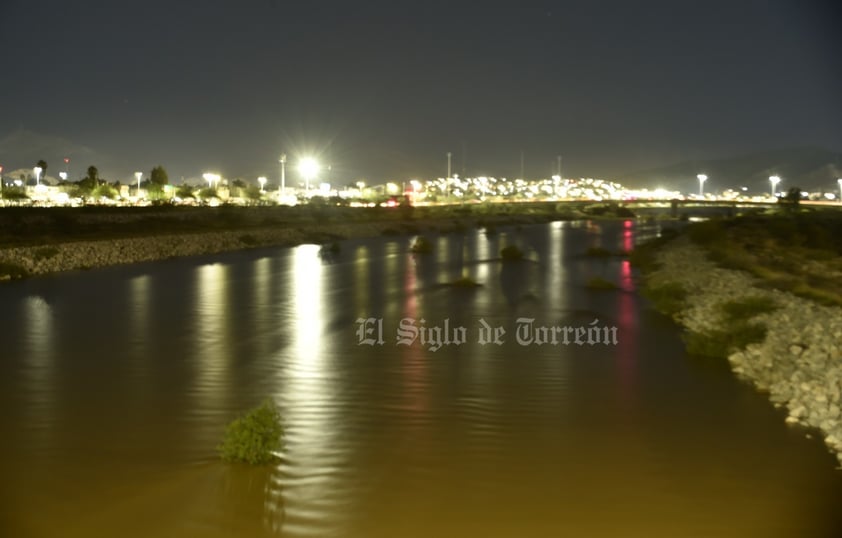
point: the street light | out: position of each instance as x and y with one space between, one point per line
262 181
138 175
308 167
702 179
774 180
283 161
37 171
211 179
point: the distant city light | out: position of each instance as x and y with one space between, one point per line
702 178
212 179
308 167
774 180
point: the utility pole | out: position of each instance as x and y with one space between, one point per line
449 155
521 164
283 192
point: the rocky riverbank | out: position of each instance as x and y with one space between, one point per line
18 262
798 363
56 255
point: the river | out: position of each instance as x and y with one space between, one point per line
116 386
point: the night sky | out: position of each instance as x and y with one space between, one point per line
383 91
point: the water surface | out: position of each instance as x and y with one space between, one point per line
117 384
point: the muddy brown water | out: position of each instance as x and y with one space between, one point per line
116 386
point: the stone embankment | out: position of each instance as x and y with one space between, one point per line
799 364
58 257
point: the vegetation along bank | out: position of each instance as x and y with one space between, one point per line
765 292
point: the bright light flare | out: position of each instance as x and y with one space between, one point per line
211 178
308 167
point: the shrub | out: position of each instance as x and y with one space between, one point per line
818 295
737 330
669 233
466 282
44 253
104 191
746 308
720 343
422 245
643 258
184 191
207 193
669 297
624 212
12 270
13 193
331 248
511 253
254 437
248 239
705 233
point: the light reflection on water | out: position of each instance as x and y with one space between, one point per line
212 349
40 368
309 398
116 403
139 296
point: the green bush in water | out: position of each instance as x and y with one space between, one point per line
422 245
255 437
511 252
466 282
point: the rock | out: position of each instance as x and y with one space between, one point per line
800 361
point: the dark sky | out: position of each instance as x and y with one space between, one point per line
383 91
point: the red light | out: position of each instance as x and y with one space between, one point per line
66 160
